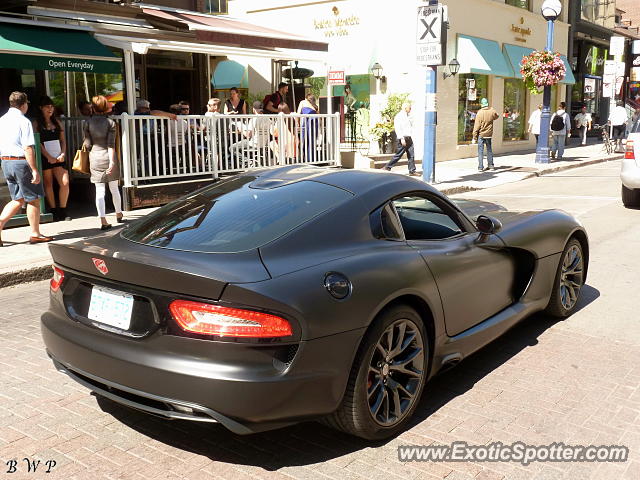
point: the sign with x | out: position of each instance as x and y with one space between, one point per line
429 36
429 24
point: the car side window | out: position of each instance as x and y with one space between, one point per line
422 219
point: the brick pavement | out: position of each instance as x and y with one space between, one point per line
540 383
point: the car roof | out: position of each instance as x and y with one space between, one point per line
357 182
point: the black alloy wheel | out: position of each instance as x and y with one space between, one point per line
387 377
396 369
569 281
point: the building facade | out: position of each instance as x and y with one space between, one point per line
488 37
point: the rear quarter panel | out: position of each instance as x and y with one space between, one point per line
378 275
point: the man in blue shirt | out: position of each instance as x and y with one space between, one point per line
17 150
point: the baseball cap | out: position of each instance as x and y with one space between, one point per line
484 102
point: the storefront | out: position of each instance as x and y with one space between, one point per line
487 37
39 60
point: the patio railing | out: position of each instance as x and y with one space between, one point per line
154 148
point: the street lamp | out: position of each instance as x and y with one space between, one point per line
550 10
376 69
454 68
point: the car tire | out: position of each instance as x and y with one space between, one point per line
379 383
630 197
568 282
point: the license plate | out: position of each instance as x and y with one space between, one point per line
111 307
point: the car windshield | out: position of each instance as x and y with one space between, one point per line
232 216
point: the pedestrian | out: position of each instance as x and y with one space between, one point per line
309 127
213 107
85 109
52 154
618 118
235 105
534 122
560 129
583 123
100 139
403 125
271 102
17 150
482 133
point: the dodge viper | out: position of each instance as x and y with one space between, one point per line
284 295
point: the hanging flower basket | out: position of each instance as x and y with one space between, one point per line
542 69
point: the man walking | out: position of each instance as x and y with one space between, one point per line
534 122
583 124
560 128
618 118
482 133
17 150
403 125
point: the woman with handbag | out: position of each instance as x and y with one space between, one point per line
100 139
54 165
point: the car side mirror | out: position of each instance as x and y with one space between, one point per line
488 225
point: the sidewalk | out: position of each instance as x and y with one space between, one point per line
457 176
21 262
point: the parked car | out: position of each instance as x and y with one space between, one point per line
283 295
630 173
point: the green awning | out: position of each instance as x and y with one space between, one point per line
477 55
39 48
514 54
569 79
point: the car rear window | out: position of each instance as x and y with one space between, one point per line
232 216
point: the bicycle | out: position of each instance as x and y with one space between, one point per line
608 144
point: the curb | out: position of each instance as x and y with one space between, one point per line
33 274
43 272
540 173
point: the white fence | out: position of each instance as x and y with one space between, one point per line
155 148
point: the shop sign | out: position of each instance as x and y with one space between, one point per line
61 64
594 60
616 45
520 31
336 77
337 26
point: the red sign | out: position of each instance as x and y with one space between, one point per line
100 265
336 77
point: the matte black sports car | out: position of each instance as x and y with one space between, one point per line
298 293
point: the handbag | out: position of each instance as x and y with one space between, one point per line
81 160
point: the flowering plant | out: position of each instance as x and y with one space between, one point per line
379 130
541 69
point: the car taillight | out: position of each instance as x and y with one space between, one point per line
57 279
208 319
629 153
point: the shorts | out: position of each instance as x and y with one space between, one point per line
18 176
619 131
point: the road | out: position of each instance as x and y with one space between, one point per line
575 381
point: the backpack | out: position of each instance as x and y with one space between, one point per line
557 123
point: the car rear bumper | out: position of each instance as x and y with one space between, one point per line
241 386
630 173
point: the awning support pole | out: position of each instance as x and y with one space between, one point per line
130 81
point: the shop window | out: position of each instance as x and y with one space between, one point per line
216 6
515 108
526 4
471 88
84 86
